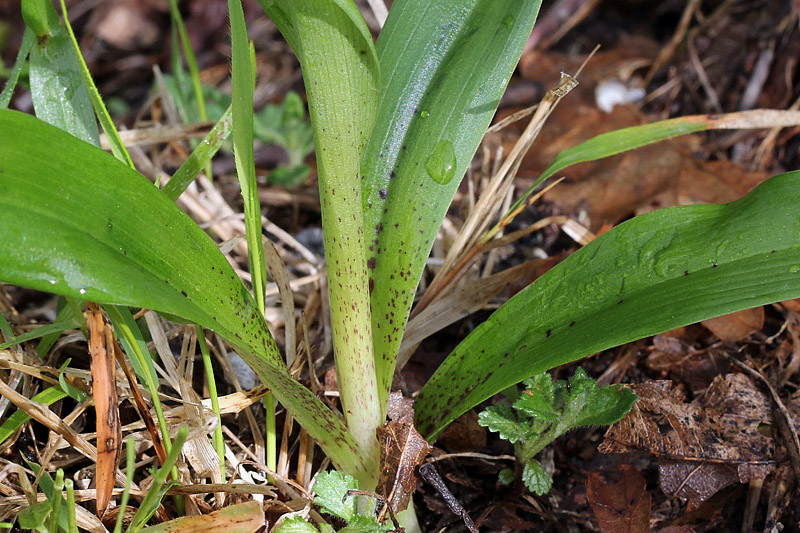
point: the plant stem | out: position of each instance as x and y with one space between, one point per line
219 442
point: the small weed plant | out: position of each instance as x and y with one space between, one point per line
395 125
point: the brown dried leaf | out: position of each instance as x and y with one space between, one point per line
402 450
621 506
736 326
242 518
106 405
717 430
463 434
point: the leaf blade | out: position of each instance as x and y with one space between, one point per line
425 138
121 241
628 284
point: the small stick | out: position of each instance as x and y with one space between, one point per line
428 472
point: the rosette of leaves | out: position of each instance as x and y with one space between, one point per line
547 409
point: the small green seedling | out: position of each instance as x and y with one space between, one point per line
333 495
547 409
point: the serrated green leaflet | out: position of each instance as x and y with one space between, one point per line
444 67
656 272
78 222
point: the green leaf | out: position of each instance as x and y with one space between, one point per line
365 524
506 476
539 398
48 396
72 391
536 478
501 419
605 405
330 489
296 524
41 331
34 517
659 271
199 157
342 79
19 63
445 65
59 96
77 222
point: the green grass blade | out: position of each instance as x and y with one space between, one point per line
19 63
191 62
659 271
121 241
625 139
200 157
48 396
114 140
41 331
130 464
59 96
219 442
341 76
445 65
157 490
243 79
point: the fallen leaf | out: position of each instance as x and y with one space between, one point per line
698 443
621 506
106 405
402 450
241 518
463 434
651 177
736 326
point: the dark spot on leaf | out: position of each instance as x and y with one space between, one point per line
713 265
371 263
382 194
184 293
549 332
392 174
685 272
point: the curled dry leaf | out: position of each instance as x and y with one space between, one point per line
402 450
704 445
621 506
104 392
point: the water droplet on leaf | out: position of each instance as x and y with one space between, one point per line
424 113
441 165
794 268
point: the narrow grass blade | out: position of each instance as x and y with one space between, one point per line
341 75
48 396
199 157
59 96
243 79
41 331
22 56
159 487
121 241
445 65
659 271
623 140
130 463
117 148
